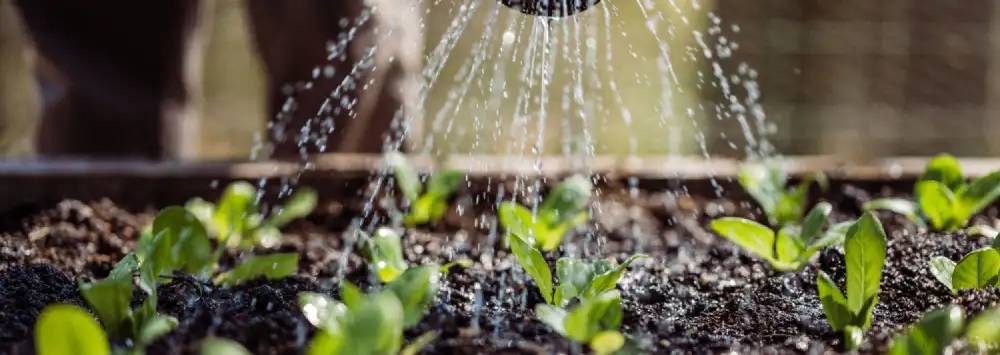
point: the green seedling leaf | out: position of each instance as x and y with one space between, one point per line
406 177
234 210
812 226
593 315
835 235
607 342
419 343
462 263
834 302
766 184
416 289
943 268
220 346
552 316
907 208
180 242
788 246
752 236
517 220
978 269
444 183
865 249
932 334
125 267
853 337
155 327
271 267
433 205
984 327
791 205
607 281
375 327
945 169
937 203
322 311
110 298
300 205
351 295
574 277
69 330
534 264
979 194
202 209
566 201
385 251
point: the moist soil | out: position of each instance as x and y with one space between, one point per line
696 294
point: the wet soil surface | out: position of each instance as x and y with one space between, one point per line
697 294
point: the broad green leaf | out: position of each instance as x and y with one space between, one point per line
155 327
574 277
942 268
932 334
812 226
326 343
422 210
386 253
416 289
322 311
978 269
271 267
235 207
791 205
593 315
552 316
945 169
406 177
422 341
788 246
517 220
766 184
937 203
607 342
752 236
376 326
609 280
181 242
125 267
68 330
551 237
907 208
834 302
351 295
220 346
534 264
865 249
444 183
566 201
110 298
201 209
979 194
984 327
300 205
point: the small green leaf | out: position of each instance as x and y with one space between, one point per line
835 235
125 267
351 295
534 264
444 183
766 184
607 342
300 205
609 280
406 177
752 236
271 267
979 194
834 302
69 330
945 169
788 245
865 249
791 205
376 326
110 298
180 242
517 220
574 277
907 208
942 268
983 328
978 269
201 209
233 212
155 327
567 200
813 224
326 343
220 346
552 316
416 289
385 250
419 343
322 311
932 334
593 315
853 337
937 203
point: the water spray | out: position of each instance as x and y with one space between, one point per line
550 8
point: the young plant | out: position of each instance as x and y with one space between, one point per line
68 330
978 269
594 321
236 220
426 206
563 209
792 247
222 346
577 278
864 249
939 328
943 197
767 183
384 251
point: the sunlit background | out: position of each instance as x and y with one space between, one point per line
854 78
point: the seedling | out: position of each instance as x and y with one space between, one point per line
793 246
577 278
978 269
426 206
594 321
983 329
864 249
222 346
236 220
767 183
384 251
939 328
64 329
943 197
563 209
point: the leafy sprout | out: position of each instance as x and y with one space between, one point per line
793 246
939 328
563 209
943 198
426 206
594 321
978 269
384 252
767 183
236 220
865 250
68 330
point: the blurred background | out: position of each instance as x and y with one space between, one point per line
854 78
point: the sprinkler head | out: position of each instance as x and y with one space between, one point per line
550 8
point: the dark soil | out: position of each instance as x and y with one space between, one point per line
699 294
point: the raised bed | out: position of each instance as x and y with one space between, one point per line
697 294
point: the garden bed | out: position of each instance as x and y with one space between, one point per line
698 293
